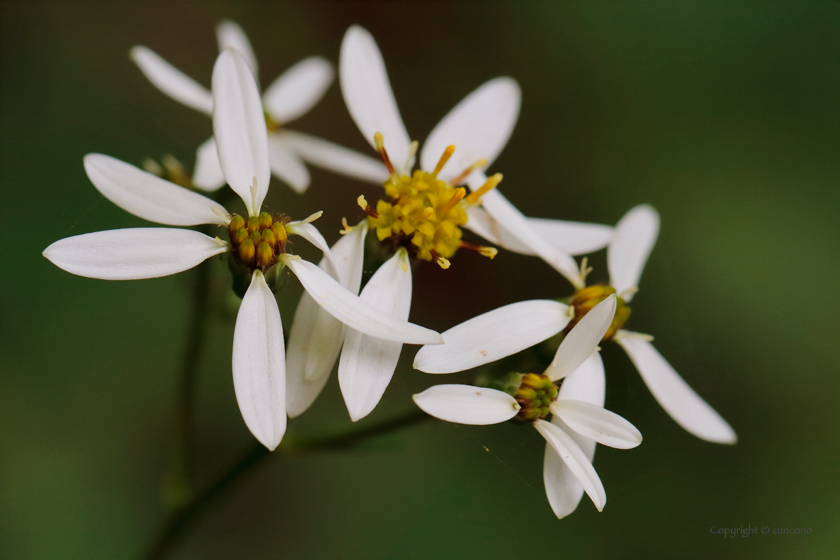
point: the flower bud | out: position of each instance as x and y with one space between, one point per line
265 255
265 220
246 252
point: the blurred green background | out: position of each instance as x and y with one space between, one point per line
724 116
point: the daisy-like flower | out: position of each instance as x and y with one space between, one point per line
258 244
578 417
514 327
421 217
288 97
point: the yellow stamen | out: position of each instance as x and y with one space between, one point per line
460 178
489 252
346 229
491 184
447 153
380 147
362 202
442 262
312 217
460 192
412 151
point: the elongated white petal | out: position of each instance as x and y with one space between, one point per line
239 127
367 363
633 240
148 196
494 335
311 234
465 404
208 175
574 238
259 364
298 89
368 95
286 165
595 422
479 127
352 311
519 227
231 36
576 461
587 383
335 158
679 400
582 340
172 81
133 254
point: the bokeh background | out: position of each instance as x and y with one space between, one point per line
724 116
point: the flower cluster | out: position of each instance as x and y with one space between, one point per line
419 217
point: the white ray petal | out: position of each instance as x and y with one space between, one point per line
576 461
311 234
367 363
582 340
479 127
679 400
239 127
368 95
208 174
231 36
494 335
286 165
133 254
298 89
587 383
597 423
352 311
172 81
335 158
465 404
148 196
259 364
633 240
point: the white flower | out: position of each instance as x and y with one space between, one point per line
290 96
578 417
512 328
258 244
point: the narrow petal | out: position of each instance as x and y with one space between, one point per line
679 400
587 383
335 158
311 234
367 363
576 461
479 127
316 336
465 404
239 127
494 335
582 340
208 175
133 254
632 242
259 364
298 89
595 422
286 165
231 36
352 311
368 95
172 81
148 196
574 238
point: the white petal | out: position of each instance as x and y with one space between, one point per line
368 95
582 340
576 461
632 242
239 127
587 383
259 364
208 175
494 335
311 234
148 196
673 393
172 81
231 36
367 363
298 89
479 127
286 165
595 422
133 254
352 311
465 404
517 224
335 158
574 238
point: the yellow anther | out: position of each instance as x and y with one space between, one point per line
491 184
265 220
362 202
265 255
412 151
279 231
380 147
460 178
246 252
346 227
460 192
442 262
447 153
312 217
378 141
489 252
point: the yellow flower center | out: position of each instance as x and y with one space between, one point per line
535 395
586 298
259 240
